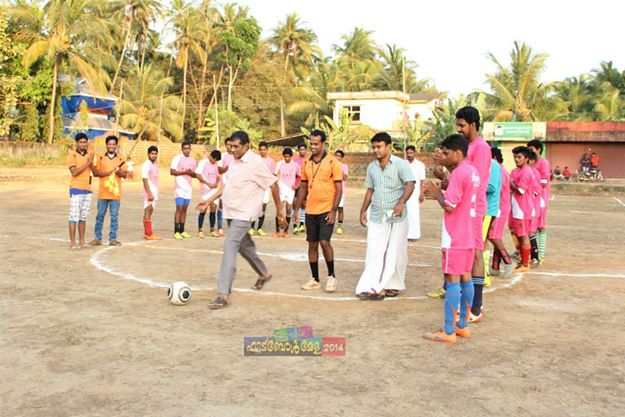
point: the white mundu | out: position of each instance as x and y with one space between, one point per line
386 258
414 220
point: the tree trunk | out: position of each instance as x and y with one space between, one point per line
184 94
55 71
230 83
121 58
282 123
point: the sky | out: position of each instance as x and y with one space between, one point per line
449 39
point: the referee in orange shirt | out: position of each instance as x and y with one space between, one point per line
321 188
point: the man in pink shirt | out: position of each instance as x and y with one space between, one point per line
544 169
242 197
263 149
299 160
521 186
208 174
458 240
288 173
183 169
149 176
468 125
536 203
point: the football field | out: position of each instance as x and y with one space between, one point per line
91 332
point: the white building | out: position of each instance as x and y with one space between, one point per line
385 110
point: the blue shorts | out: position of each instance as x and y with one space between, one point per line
183 201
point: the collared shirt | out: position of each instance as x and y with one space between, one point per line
388 186
81 181
320 178
111 186
248 178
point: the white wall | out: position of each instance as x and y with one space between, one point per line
382 114
425 110
378 114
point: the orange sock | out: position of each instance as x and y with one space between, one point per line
525 255
147 225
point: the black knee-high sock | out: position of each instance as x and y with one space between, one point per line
200 220
496 260
477 299
181 227
175 227
178 227
534 245
277 224
314 269
211 219
261 220
330 265
288 221
505 257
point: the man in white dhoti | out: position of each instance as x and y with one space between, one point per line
389 183
414 219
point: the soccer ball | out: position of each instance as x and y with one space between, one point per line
179 293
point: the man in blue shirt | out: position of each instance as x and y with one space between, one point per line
390 183
493 193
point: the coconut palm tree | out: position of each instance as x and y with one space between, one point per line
356 46
296 44
136 16
187 24
147 109
609 105
610 74
577 93
397 70
67 25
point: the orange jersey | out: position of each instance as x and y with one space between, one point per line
81 181
320 178
110 186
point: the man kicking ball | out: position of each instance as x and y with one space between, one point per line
248 177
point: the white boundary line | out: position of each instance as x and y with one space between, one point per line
99 264
288 256
618 200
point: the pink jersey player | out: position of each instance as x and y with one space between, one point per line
183 183
288 173
544 170
210 172
480 156
499 224
271 164
457 239
521 200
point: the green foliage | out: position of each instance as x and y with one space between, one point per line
227 122
30 129
343 135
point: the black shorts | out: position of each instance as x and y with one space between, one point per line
317 229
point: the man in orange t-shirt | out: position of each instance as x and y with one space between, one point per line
321 188
80 164
110 168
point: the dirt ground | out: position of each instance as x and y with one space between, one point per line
91 333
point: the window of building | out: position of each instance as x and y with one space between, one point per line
354 113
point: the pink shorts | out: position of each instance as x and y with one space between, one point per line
520 227
542 219
478 223
498 226
457 261
533 225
